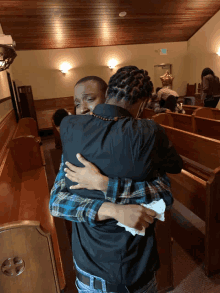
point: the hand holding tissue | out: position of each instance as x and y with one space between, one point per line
157 206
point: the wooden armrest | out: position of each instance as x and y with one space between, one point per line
197 169
26 152
34 205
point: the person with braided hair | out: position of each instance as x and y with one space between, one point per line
108 258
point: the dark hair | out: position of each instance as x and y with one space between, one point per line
129 83
103 85
157 89
170 103
207 71
59 115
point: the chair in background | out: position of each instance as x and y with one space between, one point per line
189 99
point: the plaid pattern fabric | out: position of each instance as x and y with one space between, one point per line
74 208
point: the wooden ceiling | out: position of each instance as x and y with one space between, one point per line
57 24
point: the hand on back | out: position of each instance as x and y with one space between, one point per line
88 177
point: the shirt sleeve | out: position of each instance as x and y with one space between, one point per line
71 207
74 208
127 191
157 108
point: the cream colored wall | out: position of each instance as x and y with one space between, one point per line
6 106
202 48
40 68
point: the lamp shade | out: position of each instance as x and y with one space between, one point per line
7 56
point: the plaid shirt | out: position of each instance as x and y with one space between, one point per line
121 191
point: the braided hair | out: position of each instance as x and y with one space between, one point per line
130 84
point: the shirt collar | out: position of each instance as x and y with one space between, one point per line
110 111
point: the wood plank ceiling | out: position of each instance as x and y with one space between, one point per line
54 24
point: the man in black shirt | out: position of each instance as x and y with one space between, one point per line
119 146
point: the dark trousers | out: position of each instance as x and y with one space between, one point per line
211 102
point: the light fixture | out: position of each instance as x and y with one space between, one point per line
65 67
122 14
112 63
218 53
7 51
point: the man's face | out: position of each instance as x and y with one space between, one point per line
87 96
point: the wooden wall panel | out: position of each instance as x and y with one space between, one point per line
56 103
46 108
7 129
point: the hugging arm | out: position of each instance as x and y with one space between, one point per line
118 191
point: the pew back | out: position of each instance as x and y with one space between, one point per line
179 121
147 113
190 109
195 147
198 186
27 126
24 201
198 125
211 113
207 127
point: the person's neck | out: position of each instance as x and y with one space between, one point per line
132 109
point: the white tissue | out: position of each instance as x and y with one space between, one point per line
157 206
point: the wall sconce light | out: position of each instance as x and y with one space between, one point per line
7 51
65 67
112 63
218 53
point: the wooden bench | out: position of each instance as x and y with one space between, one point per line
198 187
28 127
190 109
211 113
198 125
45 109
30 256
147 113
164 275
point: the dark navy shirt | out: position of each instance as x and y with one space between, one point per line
127 148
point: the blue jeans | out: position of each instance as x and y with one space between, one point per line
150 287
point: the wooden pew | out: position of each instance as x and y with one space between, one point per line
46 107
198 187
179 121
211 113
28 127
190 109
30 254
164 275
202 126
147 113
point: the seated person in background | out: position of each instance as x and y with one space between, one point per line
171 104
165 92
58 117
153 100
56 120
